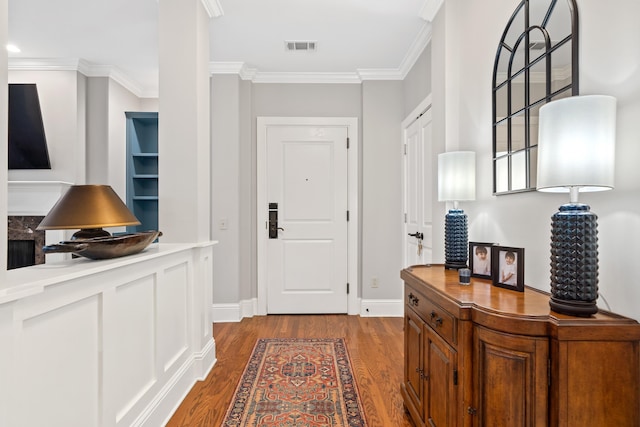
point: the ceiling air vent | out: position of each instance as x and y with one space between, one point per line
298 45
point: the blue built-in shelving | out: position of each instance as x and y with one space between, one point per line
142 169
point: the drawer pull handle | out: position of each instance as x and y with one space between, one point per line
471 411
437 320
413 300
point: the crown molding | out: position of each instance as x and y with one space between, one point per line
415 50
238 68
44 64
430 9
213 8
81 66
379 74
273 77
256 76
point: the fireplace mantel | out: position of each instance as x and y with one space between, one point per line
34 198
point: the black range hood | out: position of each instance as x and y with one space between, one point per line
27 142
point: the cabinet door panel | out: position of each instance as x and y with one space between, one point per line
511 386
441 361
413 368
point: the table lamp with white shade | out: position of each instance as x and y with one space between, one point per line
456 183
576 153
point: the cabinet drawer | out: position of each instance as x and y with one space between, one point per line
440 320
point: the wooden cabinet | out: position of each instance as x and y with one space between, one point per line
142 169
480 355
510 379
431 372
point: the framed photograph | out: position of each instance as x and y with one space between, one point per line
507 267
480 259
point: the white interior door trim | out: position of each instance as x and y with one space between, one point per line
353 246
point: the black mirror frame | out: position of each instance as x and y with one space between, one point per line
573 86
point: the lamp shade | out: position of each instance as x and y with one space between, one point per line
576 144
457 176
88 207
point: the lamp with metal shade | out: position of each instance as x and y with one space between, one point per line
456 183
576 153
89 208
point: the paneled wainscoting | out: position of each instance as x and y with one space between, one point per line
105 343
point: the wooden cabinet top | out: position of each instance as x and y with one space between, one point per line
510 311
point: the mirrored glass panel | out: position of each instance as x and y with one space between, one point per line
518 171
518 133
501 139
502 100
502 174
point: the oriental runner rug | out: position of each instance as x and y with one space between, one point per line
297 383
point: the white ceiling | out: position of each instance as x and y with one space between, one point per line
356 39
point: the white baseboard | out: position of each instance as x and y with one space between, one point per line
164 404
382 308
235 312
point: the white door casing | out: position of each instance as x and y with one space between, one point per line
304 166
418 186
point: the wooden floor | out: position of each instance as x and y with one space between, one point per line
375 347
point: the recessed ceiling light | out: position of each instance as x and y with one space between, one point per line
13 48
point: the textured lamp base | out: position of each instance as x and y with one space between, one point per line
574 261
573 308
456 240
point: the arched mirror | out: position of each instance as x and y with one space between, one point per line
536 62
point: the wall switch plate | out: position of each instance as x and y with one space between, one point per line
223 224
374 282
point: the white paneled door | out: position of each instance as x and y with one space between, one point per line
418 191
304 232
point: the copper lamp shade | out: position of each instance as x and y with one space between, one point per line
89 208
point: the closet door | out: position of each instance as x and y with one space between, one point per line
418 184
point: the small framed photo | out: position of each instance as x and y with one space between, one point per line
507 267
480 259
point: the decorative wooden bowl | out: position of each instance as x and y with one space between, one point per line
106 247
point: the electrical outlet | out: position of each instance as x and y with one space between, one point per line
374 282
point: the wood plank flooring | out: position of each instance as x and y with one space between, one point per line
375 347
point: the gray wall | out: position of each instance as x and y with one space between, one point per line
382 205
98 130
417 83
523 220
225 186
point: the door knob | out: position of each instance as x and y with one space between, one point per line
417 235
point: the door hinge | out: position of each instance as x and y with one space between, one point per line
347 288
405 218
405 149
347 216
455 377
347 143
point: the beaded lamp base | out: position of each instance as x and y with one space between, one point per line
574 260
456 241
